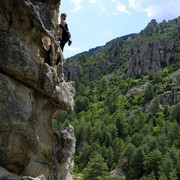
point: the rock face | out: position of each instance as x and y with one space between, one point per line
118 174
137 90
156 54
151 57
72 72
176 75
32 91
169 97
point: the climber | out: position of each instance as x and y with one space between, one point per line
63 32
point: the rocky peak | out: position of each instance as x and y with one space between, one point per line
32 91
152 25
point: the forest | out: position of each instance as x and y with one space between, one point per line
123 121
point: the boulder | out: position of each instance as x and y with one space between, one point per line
118 174
169 97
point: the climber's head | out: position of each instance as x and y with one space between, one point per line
63 15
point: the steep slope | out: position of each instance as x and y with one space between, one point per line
127 106
32 92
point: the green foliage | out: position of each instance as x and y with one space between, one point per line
149 177
175 113
152 162
96 168
136 167
81 104
112 102
148 95
121 124
154 107
61 121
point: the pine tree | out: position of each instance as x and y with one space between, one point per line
96 168
152 162
175 113
170 166
136 167
148 95
154 107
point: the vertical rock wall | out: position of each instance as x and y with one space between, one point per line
32 91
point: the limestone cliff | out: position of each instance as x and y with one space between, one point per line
157 53
32 91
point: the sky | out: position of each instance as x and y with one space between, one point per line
92 23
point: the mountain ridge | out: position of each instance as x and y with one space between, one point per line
91 51
135 45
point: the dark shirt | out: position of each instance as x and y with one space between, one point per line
65 33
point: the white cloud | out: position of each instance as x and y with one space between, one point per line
78 5
73 49
150 11
93 1
114 1
135 4
158 9
109 32
122 8
104 9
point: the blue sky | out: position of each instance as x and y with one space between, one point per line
92 23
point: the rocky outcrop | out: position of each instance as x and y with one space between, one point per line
151 57
169 97
72 72
32 92
152 25
157 53
176 75
137 90
118 174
